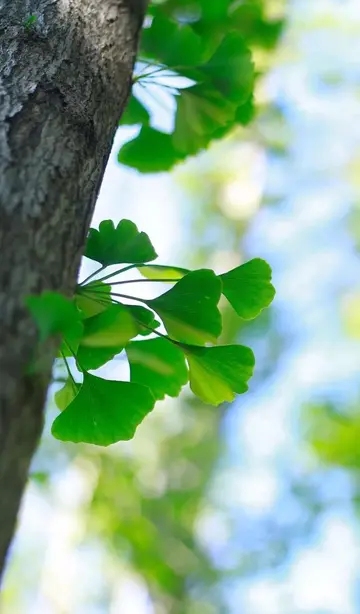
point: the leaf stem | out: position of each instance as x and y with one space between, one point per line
123 270
67 366
173 90
92 275
161 103
156 332
75 357
103 301
131 298
153 330
143 75
138 281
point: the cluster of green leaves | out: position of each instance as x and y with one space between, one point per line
207 43
97 325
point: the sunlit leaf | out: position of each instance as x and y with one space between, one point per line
217 374
93 298
135 113
91 358
113 327
144 318
165 273
201 111
151 151
120 244
66 394
159 365
248 288
189 309
103 412
230 69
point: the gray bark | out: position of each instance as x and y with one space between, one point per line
64 81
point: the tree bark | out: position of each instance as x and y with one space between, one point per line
64 80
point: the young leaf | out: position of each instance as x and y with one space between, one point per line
92 358
144 319
151 151
218 373
123 244
189 309
159 365
110 328
248 288
54 314
135 113
159 271
230 69
103 412
66 394
201 111
93 298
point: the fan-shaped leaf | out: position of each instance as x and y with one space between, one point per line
103 412
159 365
54 314
144 319
171 44
201 111
66 394
135 113
189 309
165 273
218 373
151 151
92 358
110 328
248 288
110 245
230 69
93 298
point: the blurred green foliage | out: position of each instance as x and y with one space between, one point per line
146 498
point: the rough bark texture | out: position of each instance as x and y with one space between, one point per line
64 80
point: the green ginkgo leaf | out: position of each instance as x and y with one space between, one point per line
66 394
91 358
135 113
245 112
120 244
144 319
201 112
159 365
189 309
151 151
93 298
217 374
172 44
110 328
165 273
103 412
230 70
55 314
248 288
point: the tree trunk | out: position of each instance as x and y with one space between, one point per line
65 77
